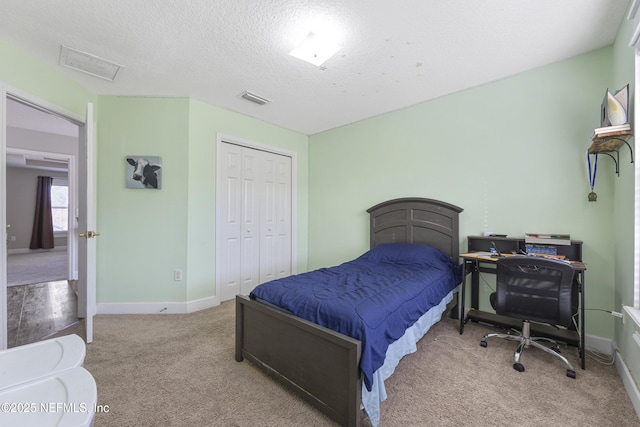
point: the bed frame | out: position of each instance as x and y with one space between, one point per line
321 365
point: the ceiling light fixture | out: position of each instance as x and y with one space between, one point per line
315 50
88 63
250 96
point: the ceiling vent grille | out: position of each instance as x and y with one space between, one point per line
88 63
250 96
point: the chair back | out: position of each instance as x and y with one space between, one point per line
535 288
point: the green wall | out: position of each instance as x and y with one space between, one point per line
143 232
21 72
147 234
511 153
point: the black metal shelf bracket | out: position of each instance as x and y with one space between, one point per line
628 145
614 160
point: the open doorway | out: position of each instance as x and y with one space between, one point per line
41 281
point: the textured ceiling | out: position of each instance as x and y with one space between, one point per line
394 54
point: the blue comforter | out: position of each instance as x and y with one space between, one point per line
373 298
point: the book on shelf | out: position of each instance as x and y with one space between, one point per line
613 128
547 239
609 130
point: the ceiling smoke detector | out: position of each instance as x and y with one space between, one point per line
88 63
250 96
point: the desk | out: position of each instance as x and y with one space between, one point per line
476 261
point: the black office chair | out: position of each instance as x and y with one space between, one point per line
534 289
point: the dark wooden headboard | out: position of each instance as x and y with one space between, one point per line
416 220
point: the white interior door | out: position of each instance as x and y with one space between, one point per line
3 218
84 210
87 226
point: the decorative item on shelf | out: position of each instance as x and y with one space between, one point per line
614 131
614 107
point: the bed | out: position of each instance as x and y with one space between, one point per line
323 366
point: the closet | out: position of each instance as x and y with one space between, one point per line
254 223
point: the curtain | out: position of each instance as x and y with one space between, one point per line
42 233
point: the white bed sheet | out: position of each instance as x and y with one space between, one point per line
397 350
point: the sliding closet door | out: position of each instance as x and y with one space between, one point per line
254 224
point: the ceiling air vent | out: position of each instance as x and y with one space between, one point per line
250 96
88 63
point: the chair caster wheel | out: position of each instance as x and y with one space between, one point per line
483 343
518 367
571 373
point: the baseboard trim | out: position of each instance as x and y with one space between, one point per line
607 347
157 307
629 383
599 344
31 251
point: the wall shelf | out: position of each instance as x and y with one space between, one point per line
611 143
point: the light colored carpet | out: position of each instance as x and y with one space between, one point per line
36 267
179 370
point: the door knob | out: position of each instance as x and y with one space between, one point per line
90 234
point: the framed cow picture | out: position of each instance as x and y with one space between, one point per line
144 172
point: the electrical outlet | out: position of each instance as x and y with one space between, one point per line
13 238
177 275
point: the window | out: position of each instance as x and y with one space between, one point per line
60 205
636 272
634 312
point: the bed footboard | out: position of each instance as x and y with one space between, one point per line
318 364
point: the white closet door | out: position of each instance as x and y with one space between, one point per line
229 221
252 183
268 227
275 242
283 216
254 224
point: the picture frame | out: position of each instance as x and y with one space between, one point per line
143 172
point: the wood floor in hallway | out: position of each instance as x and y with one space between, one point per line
38 311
